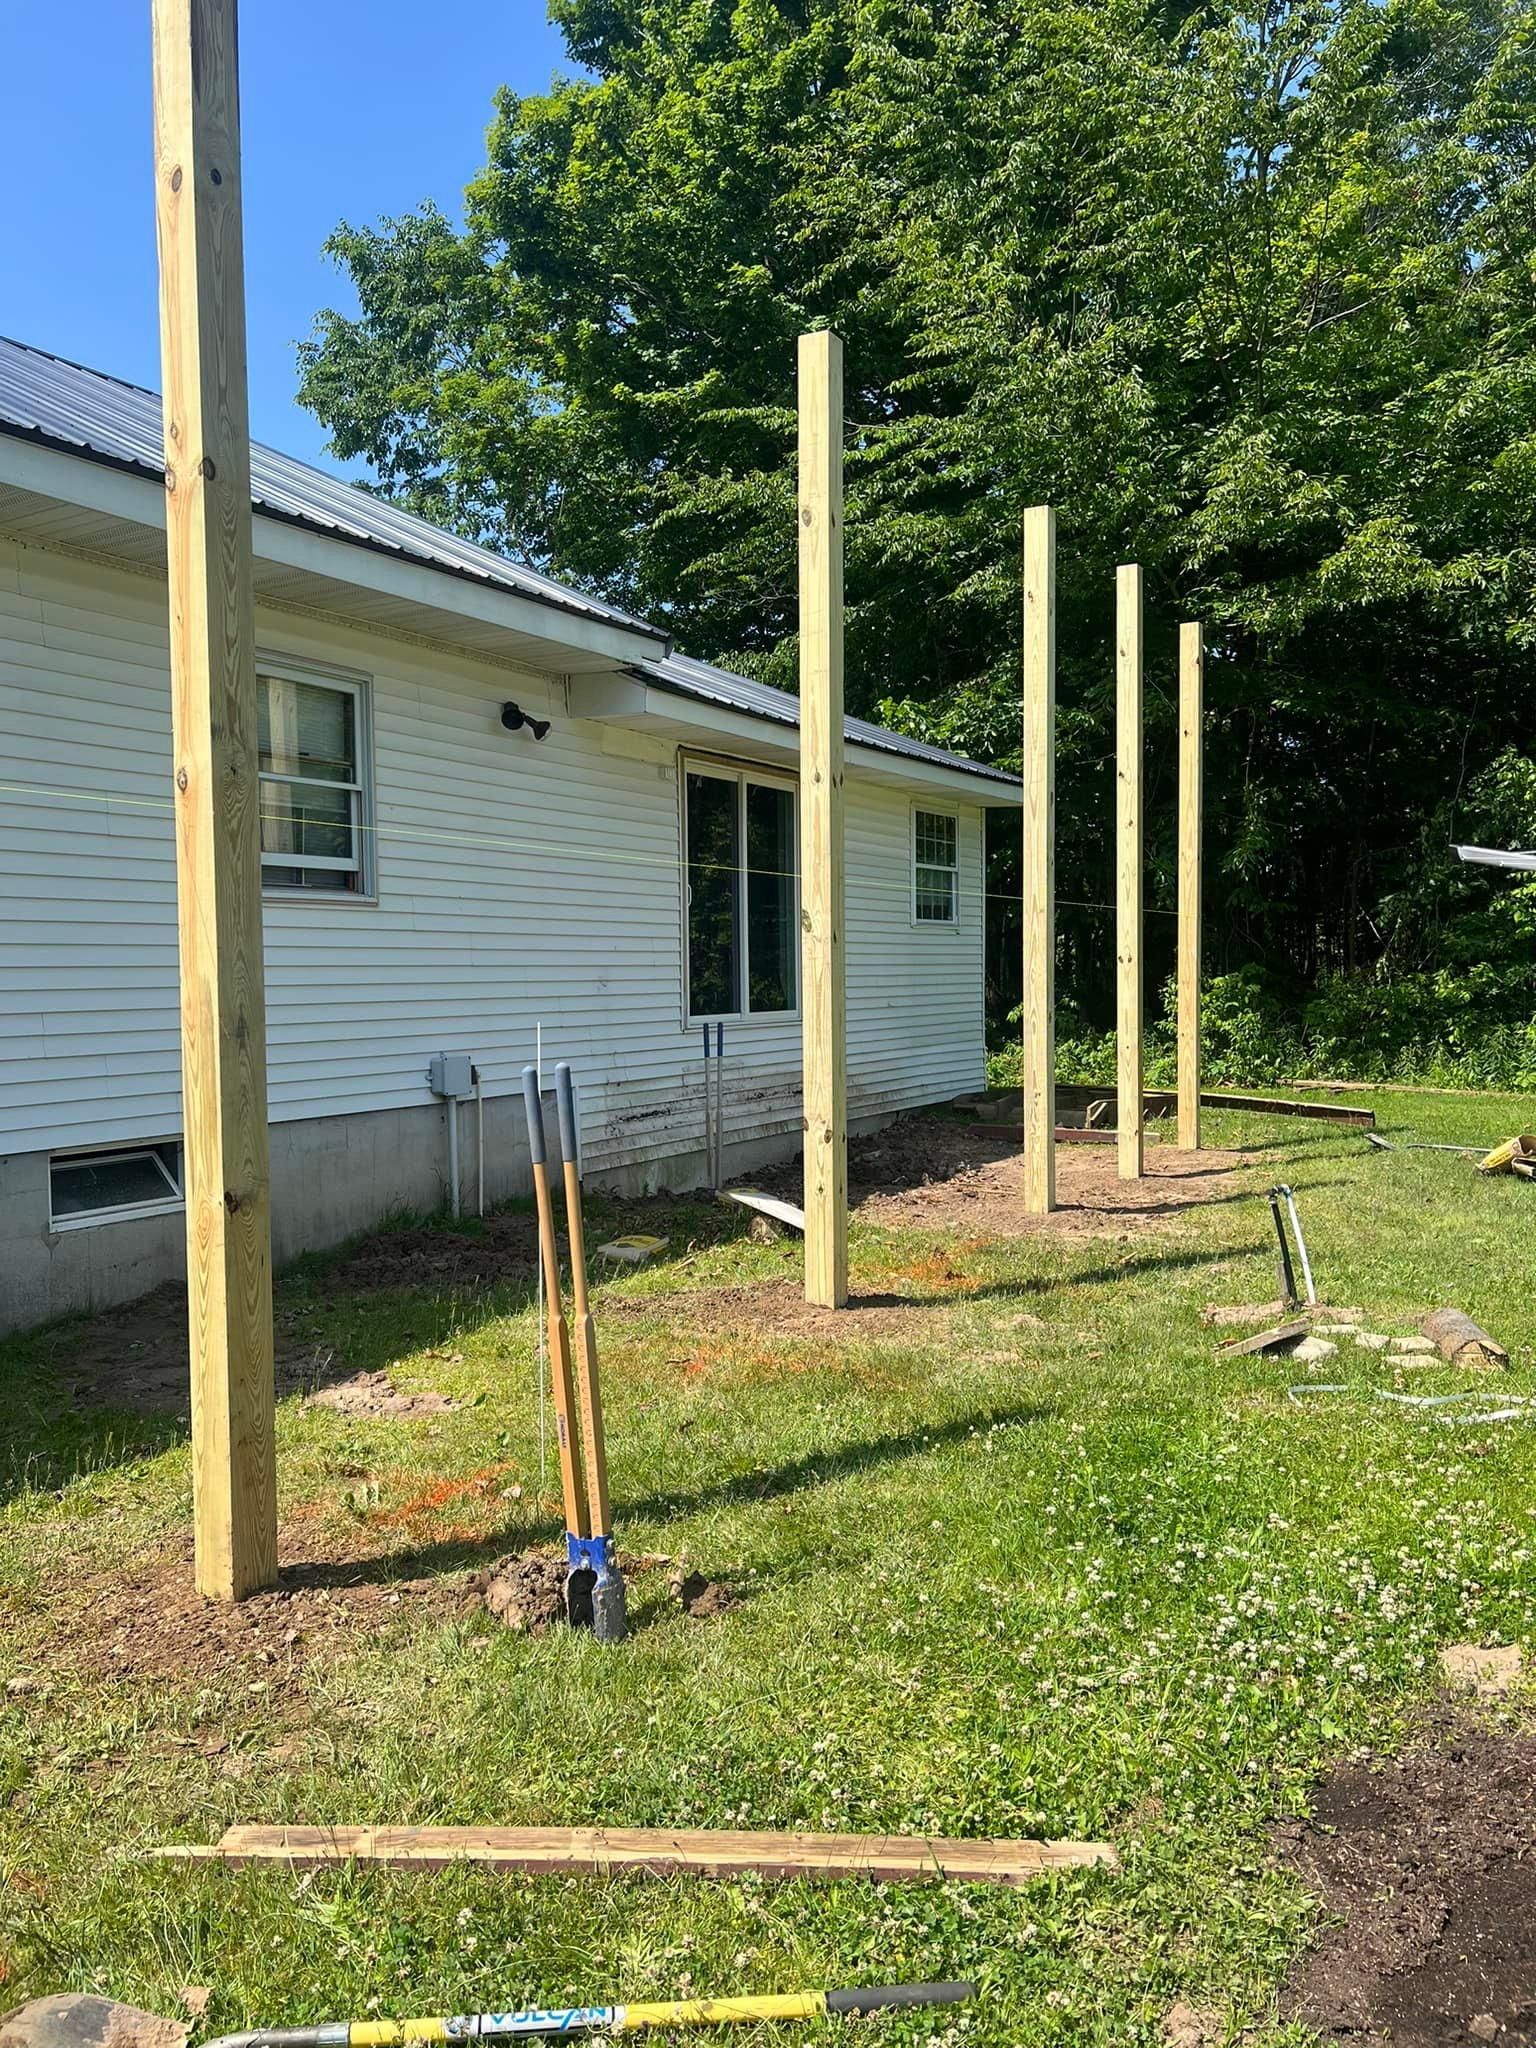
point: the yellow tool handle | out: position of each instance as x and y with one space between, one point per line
716 2012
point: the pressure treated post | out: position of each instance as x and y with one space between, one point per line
1128 864
1191 805
824 1002
1039 1012
218 862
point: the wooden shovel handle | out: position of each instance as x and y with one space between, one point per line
559 1336
588 1383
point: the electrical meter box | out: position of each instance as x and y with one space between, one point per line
451 1074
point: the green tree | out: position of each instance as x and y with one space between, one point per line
1249 292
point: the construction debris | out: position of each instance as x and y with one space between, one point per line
767 1205
1515 1155
1313 1350
1280 1338
661 1852
1463 1342
635 1250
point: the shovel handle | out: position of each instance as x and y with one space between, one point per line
588 1384
559 1334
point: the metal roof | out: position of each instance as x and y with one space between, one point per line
63 405
44 398
1496 857
702 681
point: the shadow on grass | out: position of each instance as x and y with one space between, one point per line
742 1489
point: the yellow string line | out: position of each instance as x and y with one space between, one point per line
540 848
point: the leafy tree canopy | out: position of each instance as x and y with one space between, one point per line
1247 291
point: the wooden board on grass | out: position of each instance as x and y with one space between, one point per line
660 1852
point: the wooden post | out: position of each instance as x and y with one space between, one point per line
218 860
1128 865
1039 1014
823 992
1191 806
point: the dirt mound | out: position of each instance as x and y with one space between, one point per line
527 1592
939 1173
374 1394
1430 1860
703 1598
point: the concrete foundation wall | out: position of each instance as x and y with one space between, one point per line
331 1178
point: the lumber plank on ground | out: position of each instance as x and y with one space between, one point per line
766 1205
1275 1105
663 1852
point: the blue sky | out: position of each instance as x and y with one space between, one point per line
350 109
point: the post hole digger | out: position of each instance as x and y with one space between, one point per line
594 1588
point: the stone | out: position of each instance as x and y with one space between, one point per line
1313 1350
79 2020
1488 1673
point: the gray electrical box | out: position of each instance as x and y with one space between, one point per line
451 1073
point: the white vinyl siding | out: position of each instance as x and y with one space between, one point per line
518 886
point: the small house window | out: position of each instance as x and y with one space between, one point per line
313 795
742 893
936 868
111 1185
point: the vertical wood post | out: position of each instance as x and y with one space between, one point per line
218 862
823 991
1128 869
1039 1013
1191 808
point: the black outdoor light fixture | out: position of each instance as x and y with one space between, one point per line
514 717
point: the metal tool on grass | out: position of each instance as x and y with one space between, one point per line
580 1578
538 2022
596 1548
714 1106
1277 1195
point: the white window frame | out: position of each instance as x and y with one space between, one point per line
935 924
364 867
741 773
173 1200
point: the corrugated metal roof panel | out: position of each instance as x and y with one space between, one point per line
52 400
700 679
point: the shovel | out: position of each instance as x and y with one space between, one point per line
607 1594
580 1576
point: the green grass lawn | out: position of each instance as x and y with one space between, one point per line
1038 1563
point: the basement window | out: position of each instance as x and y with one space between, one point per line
935 868
110 1186
742 893
312 739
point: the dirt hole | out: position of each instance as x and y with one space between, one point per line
1426 1865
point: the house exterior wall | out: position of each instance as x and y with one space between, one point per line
521 886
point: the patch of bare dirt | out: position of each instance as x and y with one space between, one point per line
504 1251
704 1599
150 1621
374 1394
1428 1865
134 1358
941 1174
779 1308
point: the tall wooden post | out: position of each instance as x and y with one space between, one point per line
1039 1012
218 861
1128 866
823 994
1191 808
